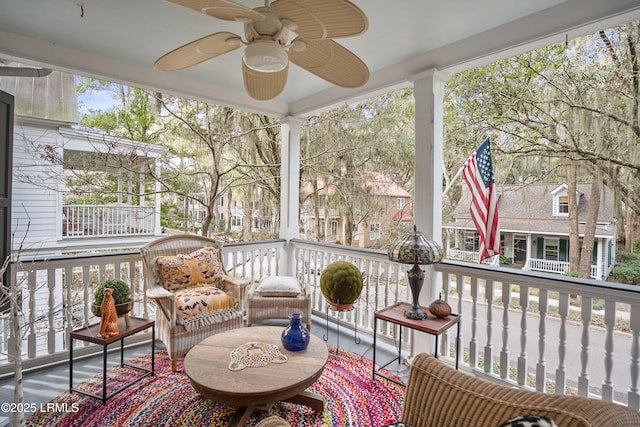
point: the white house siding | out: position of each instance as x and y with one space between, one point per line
35 199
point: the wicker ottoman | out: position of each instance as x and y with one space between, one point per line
273 421
276 297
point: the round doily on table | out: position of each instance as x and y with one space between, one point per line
255 355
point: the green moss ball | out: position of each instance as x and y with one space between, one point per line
341 282
121 291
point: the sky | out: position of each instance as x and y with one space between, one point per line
94 100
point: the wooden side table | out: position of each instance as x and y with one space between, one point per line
432 325
90 334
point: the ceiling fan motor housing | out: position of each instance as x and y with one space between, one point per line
269 28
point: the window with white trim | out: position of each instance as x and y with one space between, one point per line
551 249
374 231
563 205
471 241
334 227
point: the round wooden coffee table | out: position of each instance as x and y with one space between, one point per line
207 365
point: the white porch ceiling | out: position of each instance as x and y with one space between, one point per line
119 40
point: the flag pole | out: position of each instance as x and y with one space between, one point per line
457 175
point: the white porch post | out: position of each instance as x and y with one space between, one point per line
141 194
157 229
600 260
290 190
428 91
130 188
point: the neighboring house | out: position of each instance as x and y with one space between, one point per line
386 202
224 210
534 228
47 150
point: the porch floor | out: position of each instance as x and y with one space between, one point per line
43 384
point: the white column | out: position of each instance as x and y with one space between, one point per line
157 229
119 188
130 188
428 91
141 192
600 260
290 189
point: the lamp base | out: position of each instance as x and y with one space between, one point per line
415 277
415 312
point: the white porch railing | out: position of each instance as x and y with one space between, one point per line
550 266
533 330
106 220
470 256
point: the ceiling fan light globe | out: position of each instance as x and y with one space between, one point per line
266 57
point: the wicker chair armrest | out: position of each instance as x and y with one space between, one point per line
234 287
158 292
166 302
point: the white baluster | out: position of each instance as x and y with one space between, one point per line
633 395
522 358
541 366
473 343
51 309
30 314
583 378
561 370
610 323
460 290
488 348
504 353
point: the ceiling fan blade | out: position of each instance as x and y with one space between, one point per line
222 9
198 51
264 86
332 62
322 19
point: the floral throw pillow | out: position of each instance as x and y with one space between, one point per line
183 271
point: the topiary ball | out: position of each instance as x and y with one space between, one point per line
121 291
341 283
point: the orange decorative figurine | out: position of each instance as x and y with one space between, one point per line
109 316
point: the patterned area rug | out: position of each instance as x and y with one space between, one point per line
168 399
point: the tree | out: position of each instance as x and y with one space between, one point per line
573 103
258 176
202 134
343 151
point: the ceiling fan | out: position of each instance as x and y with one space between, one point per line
265 62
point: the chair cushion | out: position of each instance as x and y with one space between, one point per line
183 271
278 286
199 306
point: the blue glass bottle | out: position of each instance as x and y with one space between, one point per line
295 337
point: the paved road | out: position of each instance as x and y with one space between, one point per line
597 336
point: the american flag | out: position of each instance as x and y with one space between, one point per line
478 172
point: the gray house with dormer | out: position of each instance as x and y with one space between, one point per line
534 228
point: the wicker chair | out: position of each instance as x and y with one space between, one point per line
170 330
439 395
261 307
